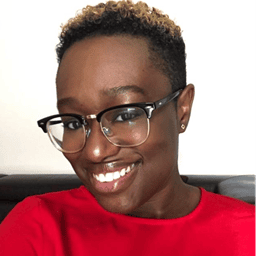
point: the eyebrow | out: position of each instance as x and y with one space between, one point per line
112 92
115 91
66 102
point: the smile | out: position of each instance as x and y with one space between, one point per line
110 176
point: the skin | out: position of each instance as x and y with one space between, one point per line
96 73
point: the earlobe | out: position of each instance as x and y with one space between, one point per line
183 126
184 106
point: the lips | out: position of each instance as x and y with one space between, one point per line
114 178
110 176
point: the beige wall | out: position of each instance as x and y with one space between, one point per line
220 38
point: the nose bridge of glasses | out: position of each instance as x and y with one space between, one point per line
91 116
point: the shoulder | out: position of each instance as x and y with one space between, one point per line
36 216
63 197
33 207
62 202
217 201
224 209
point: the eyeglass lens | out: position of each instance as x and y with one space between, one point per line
123 127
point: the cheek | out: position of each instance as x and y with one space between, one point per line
72 158
163 137
74 161
159 154
160 150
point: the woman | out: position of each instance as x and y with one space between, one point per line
123 101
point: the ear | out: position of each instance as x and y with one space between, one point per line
184 106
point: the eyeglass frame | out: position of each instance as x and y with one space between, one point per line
148 107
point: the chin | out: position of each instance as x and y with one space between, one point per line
117 204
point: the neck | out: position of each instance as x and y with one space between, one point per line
175 200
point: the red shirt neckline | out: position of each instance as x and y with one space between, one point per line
150 221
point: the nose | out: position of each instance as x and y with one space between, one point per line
97 148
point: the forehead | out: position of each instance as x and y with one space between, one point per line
95 67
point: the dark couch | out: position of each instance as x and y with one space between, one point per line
14 188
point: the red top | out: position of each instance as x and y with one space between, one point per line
73 223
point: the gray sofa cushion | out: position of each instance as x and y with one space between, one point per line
241 187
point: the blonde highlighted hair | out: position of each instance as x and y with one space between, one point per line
164 38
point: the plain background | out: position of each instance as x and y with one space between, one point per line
220 39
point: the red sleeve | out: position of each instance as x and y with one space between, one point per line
21 231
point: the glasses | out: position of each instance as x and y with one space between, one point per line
124 125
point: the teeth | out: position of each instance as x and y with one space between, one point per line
128 169
116 175
101 177
122 173
110 176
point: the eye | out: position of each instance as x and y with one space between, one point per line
127 115
72 125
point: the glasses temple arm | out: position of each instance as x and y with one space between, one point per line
169 98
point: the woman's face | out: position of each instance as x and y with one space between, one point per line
102 72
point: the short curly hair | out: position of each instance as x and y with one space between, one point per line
166 45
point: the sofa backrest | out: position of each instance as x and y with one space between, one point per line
14 188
